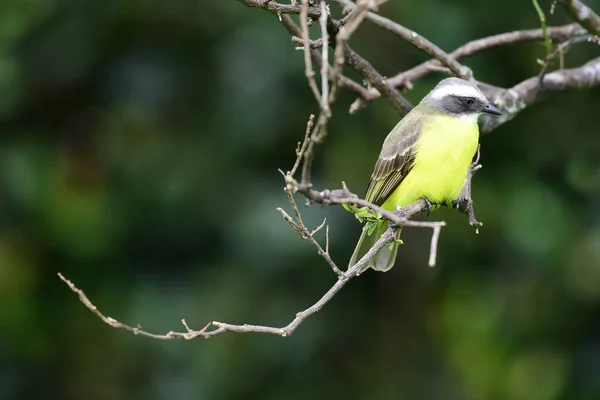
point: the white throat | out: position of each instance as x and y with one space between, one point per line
470 118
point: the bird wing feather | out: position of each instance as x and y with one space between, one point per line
395 160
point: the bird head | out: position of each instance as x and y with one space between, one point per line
459 98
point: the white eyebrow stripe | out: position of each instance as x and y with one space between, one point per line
457 90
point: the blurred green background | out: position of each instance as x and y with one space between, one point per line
140 142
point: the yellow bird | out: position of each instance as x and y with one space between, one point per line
426 156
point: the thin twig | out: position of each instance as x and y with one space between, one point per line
359 64
325 101
342 81
308 69
305 234
542 18
320 129
364 68
555 33
222 327
416 40
559 53
285 331
302 146
136 330
434 244
348 25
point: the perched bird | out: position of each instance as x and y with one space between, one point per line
426 156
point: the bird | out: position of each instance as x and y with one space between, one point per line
427 155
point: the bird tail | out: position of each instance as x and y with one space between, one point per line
385 257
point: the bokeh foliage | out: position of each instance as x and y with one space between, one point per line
139 156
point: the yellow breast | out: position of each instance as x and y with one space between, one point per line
443 154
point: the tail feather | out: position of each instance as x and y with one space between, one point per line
385 257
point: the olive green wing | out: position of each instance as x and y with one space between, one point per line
395 160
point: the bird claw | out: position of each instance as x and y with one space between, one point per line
459 204
427 205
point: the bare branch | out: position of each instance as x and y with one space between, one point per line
405 80
325 100
320 129
279 9
364 68
343 278
557 34
530 91
434 244
348 25
342 81
359 64
305 234
136 330
291 187
559 53
581 13
416 40
302 146
222 327
308 70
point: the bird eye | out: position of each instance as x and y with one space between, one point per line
469 102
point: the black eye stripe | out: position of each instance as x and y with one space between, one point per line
466 101
455 104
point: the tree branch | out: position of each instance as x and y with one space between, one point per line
530 91
581 13
556 33
279 9
308 69
371 75
222 327
343 81
362 66
405 80
348 25
416 40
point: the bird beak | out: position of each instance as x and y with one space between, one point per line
490 109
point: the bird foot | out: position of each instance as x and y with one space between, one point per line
427 205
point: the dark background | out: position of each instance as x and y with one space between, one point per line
140 142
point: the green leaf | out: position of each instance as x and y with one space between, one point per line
364 213
370 227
